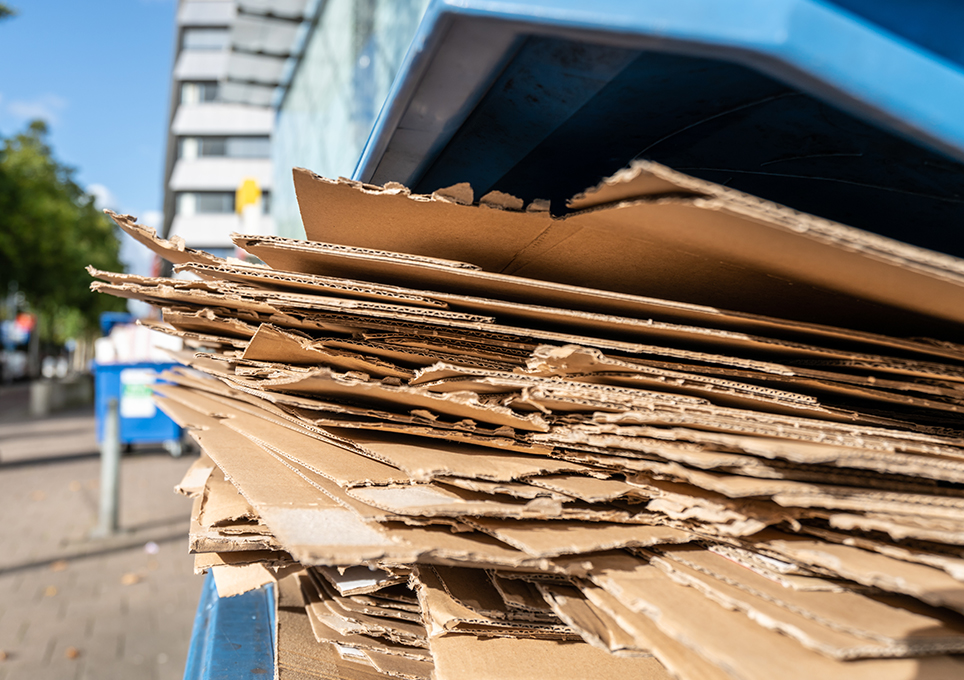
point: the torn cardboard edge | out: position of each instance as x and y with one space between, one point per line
717 235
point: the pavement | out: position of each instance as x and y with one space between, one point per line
77 608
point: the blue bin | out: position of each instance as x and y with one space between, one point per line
141 422
234 637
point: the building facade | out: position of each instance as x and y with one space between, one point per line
219 129
340 75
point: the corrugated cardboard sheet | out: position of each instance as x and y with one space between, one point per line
678 432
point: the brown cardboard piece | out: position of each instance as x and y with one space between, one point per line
193 339
951 563
310 258
596 627
473 589
315 528
322 618
678 659
719 248
424 460
728 639
930 585
329 384
207 321
419 458
273 280
221 503
400 666
350 618
444 614
268 558
231 579
903 631
553 538
299 655
713 450
271 344
585 364
359 579
192 484
524 490
820 634
431 500
465 656
546 456
244 537
296 512
173 251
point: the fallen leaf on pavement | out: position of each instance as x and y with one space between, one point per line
59 565
130 579
71 652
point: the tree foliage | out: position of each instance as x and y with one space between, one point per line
50 231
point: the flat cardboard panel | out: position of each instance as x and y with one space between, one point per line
728 639
444 614
463 656
677 657
536 300
847 611
928 584
592 452
292 281
596 626
820 635
549 539
300 655
727 250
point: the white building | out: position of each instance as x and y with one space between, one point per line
220 118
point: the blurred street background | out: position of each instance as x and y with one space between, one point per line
71 606
190 115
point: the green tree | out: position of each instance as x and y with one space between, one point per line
50 231
6 10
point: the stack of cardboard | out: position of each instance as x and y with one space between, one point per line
467 447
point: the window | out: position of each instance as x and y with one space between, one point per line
223 147
249 147
204 39
212 146
199 93
204 202
212 202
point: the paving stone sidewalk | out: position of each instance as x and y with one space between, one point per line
74 608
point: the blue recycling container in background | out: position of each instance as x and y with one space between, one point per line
141 421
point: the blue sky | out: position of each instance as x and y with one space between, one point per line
99 73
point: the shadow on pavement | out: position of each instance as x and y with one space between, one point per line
46 460
72 457
154 524
111 547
